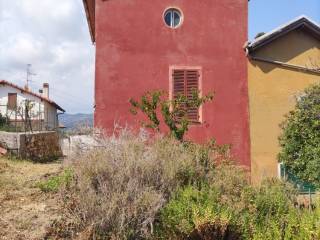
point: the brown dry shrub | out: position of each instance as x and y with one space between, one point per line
215 231
3 166
120 186
233 184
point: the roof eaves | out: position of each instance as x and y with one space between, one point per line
302 21
4 82
90 18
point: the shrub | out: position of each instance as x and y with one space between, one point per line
265 212
197 214
300 140
120 187
3 121
173 112
220 209
137 188
296 224
274 200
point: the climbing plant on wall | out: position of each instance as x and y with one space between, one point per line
174 112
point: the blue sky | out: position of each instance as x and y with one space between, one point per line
265 15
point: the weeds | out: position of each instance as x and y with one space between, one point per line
53 184
136 188
120 187
266 212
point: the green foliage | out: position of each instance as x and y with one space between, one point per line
3 120
192 209
296 224
218 209
212 212
5 124
149 103
137 188
53 184
174 111
119 188
300 140
273 200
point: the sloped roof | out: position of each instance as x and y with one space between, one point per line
302 22
89 7
4 82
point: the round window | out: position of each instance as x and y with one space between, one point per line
173 17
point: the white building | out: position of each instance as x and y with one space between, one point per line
24 109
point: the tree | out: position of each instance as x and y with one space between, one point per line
300 139
174 111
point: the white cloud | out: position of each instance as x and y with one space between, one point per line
46 9
53 36
23 48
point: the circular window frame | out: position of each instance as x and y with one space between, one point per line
173 9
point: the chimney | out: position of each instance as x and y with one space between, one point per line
45 91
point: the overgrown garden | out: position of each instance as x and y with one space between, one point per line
164 187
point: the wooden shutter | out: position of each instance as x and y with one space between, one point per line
185 81
12 101
179 83
192 82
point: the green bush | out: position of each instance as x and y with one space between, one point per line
296 224
270 213
273 200
53 184
219 209
120 188
192 212
174 112
300 140
137 188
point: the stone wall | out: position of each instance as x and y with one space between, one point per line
38 146
78 144
10 141
41 146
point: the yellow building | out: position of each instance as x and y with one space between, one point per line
281 65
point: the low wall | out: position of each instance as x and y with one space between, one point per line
10 141
78 144
39 146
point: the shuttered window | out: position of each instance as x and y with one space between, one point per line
185 82
12 101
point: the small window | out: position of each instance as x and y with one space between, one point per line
12 101
185 82
173 18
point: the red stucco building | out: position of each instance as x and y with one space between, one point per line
143 45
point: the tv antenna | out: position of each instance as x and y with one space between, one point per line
29 75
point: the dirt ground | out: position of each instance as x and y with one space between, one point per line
25 211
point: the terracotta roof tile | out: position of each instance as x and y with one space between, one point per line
4 82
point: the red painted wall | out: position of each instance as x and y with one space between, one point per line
135 49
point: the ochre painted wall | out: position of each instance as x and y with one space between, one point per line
135 50
272 91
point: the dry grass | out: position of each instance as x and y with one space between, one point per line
120 187
25 211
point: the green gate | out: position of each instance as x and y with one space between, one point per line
303 187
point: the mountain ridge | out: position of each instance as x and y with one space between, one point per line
72 121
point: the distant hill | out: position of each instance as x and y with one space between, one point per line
71 121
